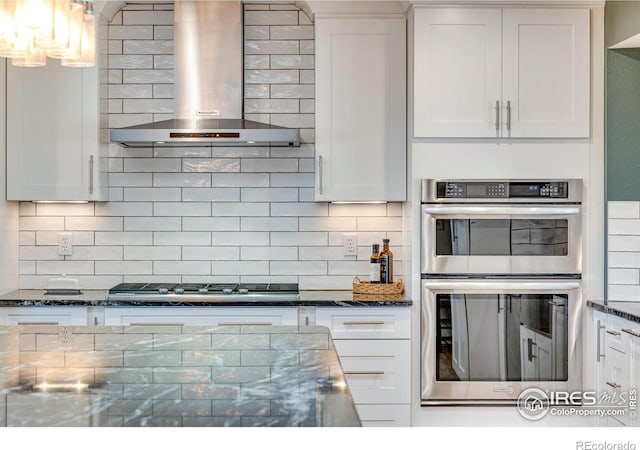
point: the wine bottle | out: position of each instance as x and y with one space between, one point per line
374 270
386 263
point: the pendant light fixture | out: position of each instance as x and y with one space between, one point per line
31 30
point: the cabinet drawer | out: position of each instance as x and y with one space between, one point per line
55 315
201 316
376 371
614 334
384 415
366 323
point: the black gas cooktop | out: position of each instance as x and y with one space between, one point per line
204 291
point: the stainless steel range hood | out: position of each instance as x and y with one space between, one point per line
208 53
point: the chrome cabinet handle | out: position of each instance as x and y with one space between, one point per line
613 385
508 115
613 333
373 322
320 177
91 163
363 372
599 354
530 344
37 323
239 324
555 303
631 332
497 115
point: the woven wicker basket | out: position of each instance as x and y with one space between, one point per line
365 287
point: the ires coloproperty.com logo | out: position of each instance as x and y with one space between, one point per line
534 403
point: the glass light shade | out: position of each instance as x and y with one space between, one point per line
86 56
7 28
58 39
72 51
35 15
31 56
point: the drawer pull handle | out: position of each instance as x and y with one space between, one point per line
364 372
631 332
38 323
240 324
614 333
613 385
158 324
599 354
372 322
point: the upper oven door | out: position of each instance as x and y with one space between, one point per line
540 239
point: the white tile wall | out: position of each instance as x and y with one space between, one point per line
209 214
624 251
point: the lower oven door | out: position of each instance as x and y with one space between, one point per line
485 341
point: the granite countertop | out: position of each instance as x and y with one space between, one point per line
626 310
169 375
38 297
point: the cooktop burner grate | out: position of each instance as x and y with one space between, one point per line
205 288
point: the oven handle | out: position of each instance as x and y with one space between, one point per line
495 285
503 210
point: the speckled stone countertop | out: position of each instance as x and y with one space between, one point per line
626 310
172 376
38 297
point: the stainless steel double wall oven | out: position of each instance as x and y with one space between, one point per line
501 264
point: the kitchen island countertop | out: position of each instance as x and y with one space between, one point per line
39 297
626 310
172 376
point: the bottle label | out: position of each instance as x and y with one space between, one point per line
384 269
374 274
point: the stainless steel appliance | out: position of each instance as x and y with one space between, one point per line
509 227
204 292
209 89
501 289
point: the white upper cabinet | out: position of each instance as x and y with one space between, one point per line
512 72
54 148
360 109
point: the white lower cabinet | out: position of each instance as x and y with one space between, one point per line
374 348
181 315
384 415
618 368
43 315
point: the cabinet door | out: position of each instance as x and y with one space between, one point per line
197 316
43 315
384 415
55 150
546 72
360 109
457 79
634 378
617 377
528 363
544 352
376 371
366 323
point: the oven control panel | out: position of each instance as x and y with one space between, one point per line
502 189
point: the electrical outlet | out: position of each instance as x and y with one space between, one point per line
64 337
65 244
349 245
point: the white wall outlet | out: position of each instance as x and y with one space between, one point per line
65 244
350 245
64 338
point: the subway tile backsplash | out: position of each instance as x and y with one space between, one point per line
210 214
623 251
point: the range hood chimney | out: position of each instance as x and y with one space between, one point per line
208 42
